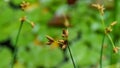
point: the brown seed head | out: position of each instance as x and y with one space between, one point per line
96 6
24 5
61 41
108 30
50 38
115 50
99 7
64 46
65 33
22 19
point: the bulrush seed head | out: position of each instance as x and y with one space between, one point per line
65 33
24 5
51 41
115 50
61 43
99 7
22 19
108 30
50 38
64 46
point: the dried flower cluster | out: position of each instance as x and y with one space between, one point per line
61 43
24 5
115 49
109 28
23 19
99 7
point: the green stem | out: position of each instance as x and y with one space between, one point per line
70 52
101 53
111 40
102 21
115 11
71 56
15 51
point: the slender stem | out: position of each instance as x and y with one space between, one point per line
70 51
102 21
71 56
111 40
101 53
15 51
115 11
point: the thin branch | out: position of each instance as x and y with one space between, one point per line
15 51
71 56
101 52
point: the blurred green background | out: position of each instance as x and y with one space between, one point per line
85 33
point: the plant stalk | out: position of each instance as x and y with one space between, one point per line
16 42
101 53
71 56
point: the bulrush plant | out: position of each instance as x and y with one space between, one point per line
62 43
23 19
106 31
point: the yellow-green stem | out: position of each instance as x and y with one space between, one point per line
69 50
111 40
15 52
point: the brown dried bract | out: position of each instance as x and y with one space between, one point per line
51 40
113 23
65 33
64 46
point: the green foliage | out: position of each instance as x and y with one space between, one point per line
84 20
